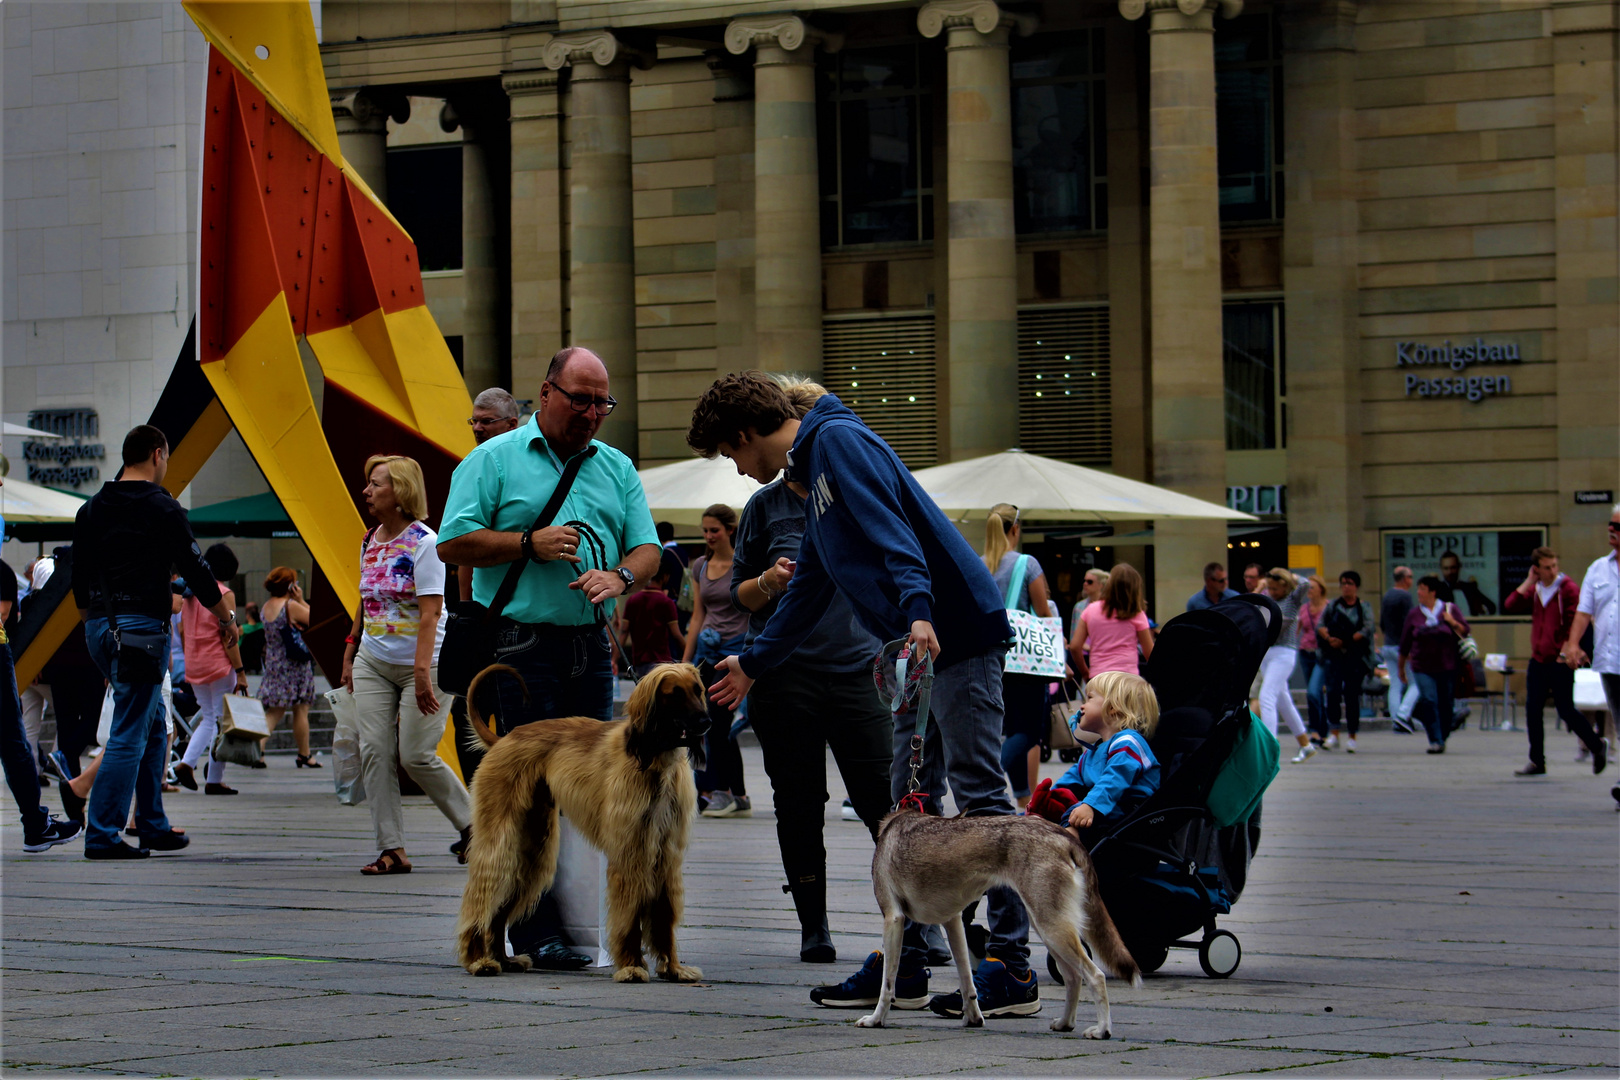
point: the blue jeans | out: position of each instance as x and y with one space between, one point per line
568 674
1315 687
962 747
1434 703
1403 694
22 770
133 759
723 767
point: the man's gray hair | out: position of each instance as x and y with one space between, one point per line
497 401
1401 571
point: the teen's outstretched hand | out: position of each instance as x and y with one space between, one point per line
922 637
734 687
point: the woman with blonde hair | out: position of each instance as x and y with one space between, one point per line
1115 625
1023 697
289 670
1276 700
390 663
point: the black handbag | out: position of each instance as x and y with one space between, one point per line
470 631
292 644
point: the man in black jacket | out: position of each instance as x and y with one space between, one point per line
125 539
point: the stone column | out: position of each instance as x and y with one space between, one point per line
601 232
539 323
1184 287
1584 37
734 274
787 194
981 249
480 277
1321 286
361 114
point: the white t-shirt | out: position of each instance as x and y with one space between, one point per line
1600 598
392 575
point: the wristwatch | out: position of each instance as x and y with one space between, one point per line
228 619
627 574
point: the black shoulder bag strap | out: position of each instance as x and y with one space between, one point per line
565 483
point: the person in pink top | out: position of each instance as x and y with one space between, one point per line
1115 625
213 670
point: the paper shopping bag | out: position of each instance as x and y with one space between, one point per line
581 892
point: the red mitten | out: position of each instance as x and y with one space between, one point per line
1053 805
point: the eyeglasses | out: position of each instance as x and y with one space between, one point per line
584 402
1614 526
490 421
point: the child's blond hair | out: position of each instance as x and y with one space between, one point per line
1129 697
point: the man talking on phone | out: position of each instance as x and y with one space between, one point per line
873 535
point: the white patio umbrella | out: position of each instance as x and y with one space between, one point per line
22 501
27 432
679 493
1045 489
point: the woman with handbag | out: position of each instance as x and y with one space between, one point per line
718 629
391 658
289 670
213 670
1429 651
1023 697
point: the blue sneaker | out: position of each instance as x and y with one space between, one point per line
860 990
1001 993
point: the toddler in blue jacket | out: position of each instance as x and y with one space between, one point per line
1116 773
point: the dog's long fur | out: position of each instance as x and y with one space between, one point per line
626 786
928 869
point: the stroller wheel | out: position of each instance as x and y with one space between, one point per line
1148 958
1219 954
1051 964
1070 756
1046 752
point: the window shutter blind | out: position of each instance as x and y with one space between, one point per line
1064 395
883 369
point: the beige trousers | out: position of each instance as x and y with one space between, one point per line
383 691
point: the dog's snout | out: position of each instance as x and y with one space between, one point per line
698 723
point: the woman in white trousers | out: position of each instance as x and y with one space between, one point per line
390 663
1276 700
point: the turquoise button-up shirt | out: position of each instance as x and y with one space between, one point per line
505 483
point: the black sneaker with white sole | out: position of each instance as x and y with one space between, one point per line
861 990
56 831
1001 993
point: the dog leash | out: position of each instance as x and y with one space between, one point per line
598 551
913 687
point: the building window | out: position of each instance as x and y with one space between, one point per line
875 146
1256 386
1064 408
883 369
1248 117
424 194
1060 169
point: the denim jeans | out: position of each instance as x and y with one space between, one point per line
1342 676
1434 703
962 748
723 767
133 759
17 755
1315 685
1403 694
568 672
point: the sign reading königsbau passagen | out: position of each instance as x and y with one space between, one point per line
53 463
1457 358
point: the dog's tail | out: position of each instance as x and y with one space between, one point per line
475 718
1100 932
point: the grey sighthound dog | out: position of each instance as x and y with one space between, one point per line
928 869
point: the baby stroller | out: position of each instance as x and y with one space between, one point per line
1182 857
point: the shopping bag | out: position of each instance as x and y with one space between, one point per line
581 891
1037 646
244 718
104 725
238 749
346 779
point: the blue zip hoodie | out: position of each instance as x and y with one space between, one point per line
872 533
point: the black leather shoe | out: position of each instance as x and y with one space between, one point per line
165 841
119 850
1531 769
1600 757
185 776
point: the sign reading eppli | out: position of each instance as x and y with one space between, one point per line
1457 358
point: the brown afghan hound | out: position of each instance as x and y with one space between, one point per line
625 785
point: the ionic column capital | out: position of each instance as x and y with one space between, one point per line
1135 9
985 16
601 48
367 109
785 35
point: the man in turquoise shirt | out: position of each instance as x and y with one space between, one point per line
550 631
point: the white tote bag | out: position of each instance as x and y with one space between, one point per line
581 892
1037 647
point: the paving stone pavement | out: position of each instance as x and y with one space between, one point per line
1407 915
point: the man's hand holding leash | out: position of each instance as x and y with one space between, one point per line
599 585
922 637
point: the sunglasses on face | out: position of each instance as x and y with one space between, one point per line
582 403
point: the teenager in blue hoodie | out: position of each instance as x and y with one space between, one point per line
872 534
